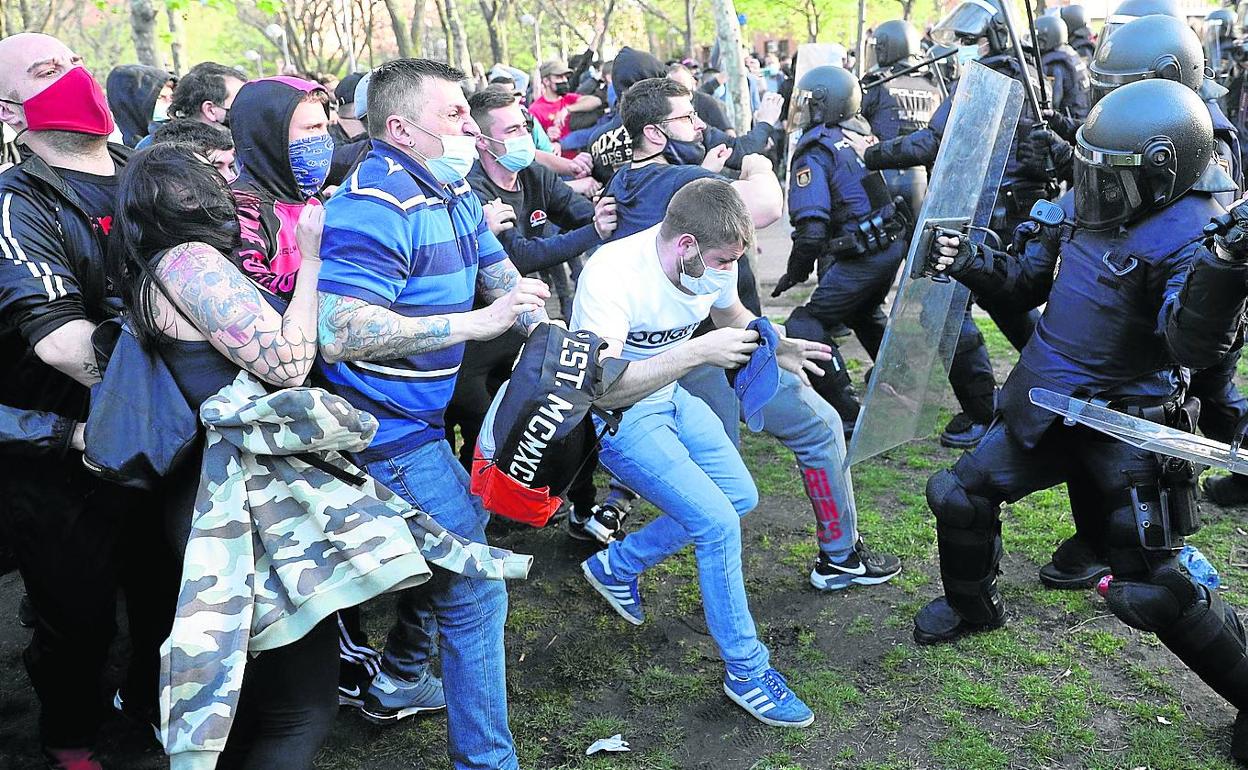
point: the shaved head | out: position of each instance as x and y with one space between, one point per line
30 62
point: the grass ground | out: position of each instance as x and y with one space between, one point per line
1064 685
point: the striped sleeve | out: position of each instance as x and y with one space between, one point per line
38 290
365 250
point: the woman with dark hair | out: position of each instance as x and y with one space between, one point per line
174 227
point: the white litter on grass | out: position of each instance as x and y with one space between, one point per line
614 743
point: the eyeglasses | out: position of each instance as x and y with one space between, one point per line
691 117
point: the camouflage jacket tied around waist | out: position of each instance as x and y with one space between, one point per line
278 543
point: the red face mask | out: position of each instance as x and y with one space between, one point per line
75 103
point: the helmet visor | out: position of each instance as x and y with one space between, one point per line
969 21
1104 82
802 100
1107 192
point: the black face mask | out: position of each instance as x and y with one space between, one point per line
561 89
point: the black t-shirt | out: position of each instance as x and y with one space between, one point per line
542 198
98 195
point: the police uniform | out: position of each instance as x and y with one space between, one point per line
1018 191
1083 44
900 107
1071 87
1128 304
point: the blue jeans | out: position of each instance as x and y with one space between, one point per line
809 427
469 614
675 455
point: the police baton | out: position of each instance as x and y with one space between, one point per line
870 81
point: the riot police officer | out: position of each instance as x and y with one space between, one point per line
902 105
1066 72
1220 33
972 22
840 210
1164 48
1130 10
1133 294
1078 33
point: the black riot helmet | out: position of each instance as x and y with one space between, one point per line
827 95
1150 47
1142 147
1129 10
1051 33
1224 19
971 21
895 41
1075 17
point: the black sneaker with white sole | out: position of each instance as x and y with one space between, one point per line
604 523
862 567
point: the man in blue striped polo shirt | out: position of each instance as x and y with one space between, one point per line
405 250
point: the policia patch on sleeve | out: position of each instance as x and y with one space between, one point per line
803 176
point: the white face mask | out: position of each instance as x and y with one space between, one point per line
712 280
459 152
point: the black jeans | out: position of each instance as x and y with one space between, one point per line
76 539
287 705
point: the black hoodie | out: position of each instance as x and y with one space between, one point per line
268 197
132 92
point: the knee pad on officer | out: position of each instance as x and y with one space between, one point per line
1154 605
955 507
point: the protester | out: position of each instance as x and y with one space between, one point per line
74 535
206 94
348 154
217 146
406 251
528 202
139 98
349 126
178 226
662 283
558 101
709 108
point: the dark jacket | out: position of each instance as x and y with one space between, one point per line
268 197
132 92
52 273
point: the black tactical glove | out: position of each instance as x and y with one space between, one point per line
809 239
1230 233
1044 155
1063 125
967 253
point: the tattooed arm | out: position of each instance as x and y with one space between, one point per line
229 310
68 348
497 280
351 329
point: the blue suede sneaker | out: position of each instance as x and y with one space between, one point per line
389 699
623 596
769 700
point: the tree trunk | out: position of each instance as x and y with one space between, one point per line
418 27
689 29
400 29
143 30
732 63
459 37
490 11
446 32
176 39
4 19
23 7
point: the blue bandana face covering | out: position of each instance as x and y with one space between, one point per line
309 162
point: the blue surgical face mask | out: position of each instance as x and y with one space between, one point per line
519 155
309 162
711 281
458 155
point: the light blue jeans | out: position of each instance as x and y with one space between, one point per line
468 614
812 430
675 455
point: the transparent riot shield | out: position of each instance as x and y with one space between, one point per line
1211 35
1142 433
809 56
909 383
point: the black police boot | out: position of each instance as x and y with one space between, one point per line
840 331
1239 738
938 623
962 433
1075 565
1227 490
837 389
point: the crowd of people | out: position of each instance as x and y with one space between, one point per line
358 314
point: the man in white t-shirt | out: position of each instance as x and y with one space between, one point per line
645 295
